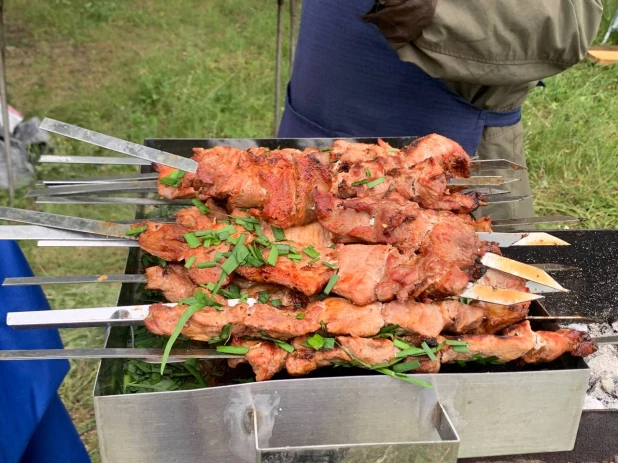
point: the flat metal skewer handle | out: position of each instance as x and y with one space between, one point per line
114 353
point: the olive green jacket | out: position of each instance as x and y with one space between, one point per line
493 52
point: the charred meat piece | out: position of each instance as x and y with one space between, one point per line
173 281
265 357
368 350
281 323
162 320
288 297
342 317
164 240
460 318
414 318
305 359
549 345
506 348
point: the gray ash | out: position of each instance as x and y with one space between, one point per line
603 364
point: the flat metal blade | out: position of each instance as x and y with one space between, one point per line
65 222
555 267
36 232
521 239
497 295
111 243
493 199
613 339
481 181
525 271
563 318
118 145
80 318
147 186
534 220
73 279
71 199
113 353
481 165
89 180
485 191
103 160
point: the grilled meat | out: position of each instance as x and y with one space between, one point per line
173 281
278 185
265 357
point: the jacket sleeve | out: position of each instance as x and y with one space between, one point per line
500 42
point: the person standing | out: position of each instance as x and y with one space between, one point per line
462 69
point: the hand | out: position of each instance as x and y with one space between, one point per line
401 21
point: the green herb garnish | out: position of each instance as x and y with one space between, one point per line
136 231
361 182
406 366
316 341
428 351
331 283
192 240
278 234
329 265
275 302
190 261
311 252
300 316
263 297
273 255
376 182
238 350
201 206
209 264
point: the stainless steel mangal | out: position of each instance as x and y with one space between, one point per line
493 413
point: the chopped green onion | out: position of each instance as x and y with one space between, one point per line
284 345
177 174
392 150
190 261
331 283
184 318
367 173
329 265
295 257
136 231
360 182
192 240
388 328
453 342
406 366
209 264
428 351
273 255
313 261
244 296
412 351
201 206
239 350
403 377
229 265
326 150
316 341
465 300
204 233
399 344
232 292
329 343
376 182
278 234
275 302
311 252
263 297
461 349
224 336
300 316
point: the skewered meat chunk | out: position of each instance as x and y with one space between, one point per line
305 359
265 357
173 281
423 319
287 297
342 317
461 318
281 324
549 345
162 320
164 240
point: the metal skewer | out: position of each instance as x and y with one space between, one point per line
114 353
121 146
5 110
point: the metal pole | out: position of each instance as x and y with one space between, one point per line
292 32
5 109
278 67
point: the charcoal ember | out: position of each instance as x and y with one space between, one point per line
23 171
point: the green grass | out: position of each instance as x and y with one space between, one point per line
194 68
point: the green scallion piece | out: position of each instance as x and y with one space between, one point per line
229 265
311 252
184 318
412 351
461 349
361 182
284 345
190 261
278 234
392 150
136 231
367 173
329 265
313 261
406 366
428 351
177 174
263 297
204 233
376 182
295 257
209 264
453 342
192 240
273 255
331 283
329 343
300 316
399 344
244 296
201 206
238 350
316 341
275 302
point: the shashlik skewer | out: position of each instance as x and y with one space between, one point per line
179 244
